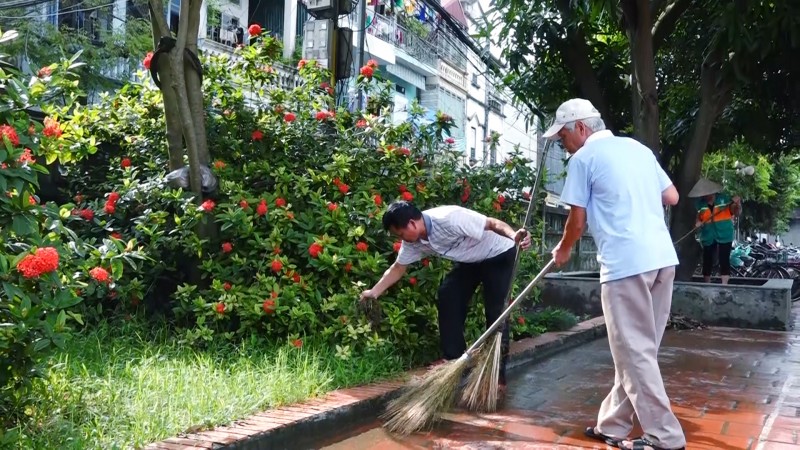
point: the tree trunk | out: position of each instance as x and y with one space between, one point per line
179 84
714 95
171 113
195 90
644 90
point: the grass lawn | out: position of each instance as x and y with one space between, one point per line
126 385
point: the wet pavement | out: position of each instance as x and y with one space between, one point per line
731 389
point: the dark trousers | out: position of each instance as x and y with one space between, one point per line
723 252
455 294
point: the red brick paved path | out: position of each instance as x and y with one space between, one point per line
731 389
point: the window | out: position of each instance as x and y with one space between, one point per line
473 142
475 80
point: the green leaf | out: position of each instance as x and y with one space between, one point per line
13 291
41 344
116 268
23 225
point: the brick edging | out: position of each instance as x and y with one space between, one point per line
300 424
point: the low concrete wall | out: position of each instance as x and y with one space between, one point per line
745 303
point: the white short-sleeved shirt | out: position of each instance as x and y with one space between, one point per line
619 182
455 233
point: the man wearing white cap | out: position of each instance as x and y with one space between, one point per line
617 184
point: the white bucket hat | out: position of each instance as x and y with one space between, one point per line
704 187
570 111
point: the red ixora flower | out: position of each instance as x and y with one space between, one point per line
86 214
110 208
227 247
412 281
290 215
243 204
367 72
332 206
302 63
501 199
343 188
280 202
361 123
407 196
257 135
220 308
450 141
521 320
208 205
116 235
362 246
218 164
100 275
254 30
397 246
268 306
227 286
148 58
348 266
497 206
402 188
262 208
324 115
289 117
297 343
51 128
44 72
377 199
26 157
43 260
8 132
372 63
277 266
125 163
314 250
426 262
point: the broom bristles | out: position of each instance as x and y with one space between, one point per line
422 403
480 392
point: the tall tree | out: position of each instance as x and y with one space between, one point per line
688 59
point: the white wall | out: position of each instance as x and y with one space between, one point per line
512 123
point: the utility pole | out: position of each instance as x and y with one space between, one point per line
362 36
335 43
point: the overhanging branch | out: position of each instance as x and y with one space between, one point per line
667 20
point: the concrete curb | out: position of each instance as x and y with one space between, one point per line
300 425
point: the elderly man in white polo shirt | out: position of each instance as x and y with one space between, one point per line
618 185
483 250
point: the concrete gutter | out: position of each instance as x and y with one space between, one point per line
303 424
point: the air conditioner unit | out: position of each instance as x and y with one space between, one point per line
326 9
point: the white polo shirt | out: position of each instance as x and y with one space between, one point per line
619 182
455 233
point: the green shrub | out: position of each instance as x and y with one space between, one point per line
49 275
301 194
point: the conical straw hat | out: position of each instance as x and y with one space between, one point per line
704 187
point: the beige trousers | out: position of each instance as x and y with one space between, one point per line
636 311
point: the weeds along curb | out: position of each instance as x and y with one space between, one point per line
301 425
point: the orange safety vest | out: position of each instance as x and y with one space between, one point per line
720 213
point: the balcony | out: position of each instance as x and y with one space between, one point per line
400 37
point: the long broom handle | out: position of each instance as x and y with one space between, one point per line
497 323
534 193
